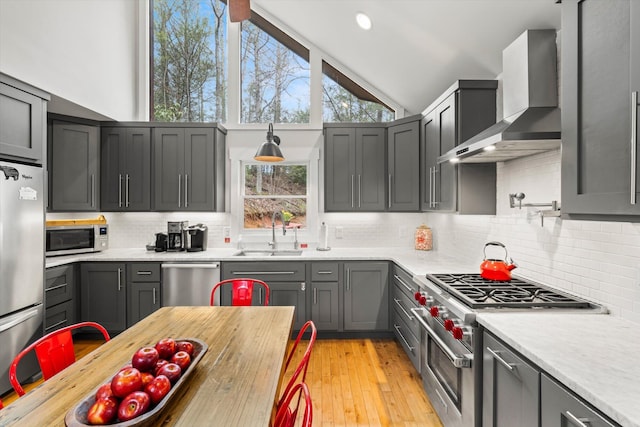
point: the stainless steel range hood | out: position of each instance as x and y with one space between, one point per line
530 105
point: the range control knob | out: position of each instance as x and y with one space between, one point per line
417 295
457 332
422 300
448 324
434 311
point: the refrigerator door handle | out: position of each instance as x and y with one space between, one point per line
23 317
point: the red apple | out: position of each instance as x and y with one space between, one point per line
166 348
171 371
160 364
125 382
134 405
182 359
147 377
145 359
103 411
158 388
104 391
185 346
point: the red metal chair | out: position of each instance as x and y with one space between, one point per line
54 352
286 417
304 362
1 406
241 291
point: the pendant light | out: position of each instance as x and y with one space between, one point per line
269 151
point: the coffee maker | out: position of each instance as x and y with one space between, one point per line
196 238
176 235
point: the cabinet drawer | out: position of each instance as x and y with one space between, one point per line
403 305
59 316
59 285
324 271
404 282
269 271
407 339
144 272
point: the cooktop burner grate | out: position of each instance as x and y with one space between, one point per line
478 292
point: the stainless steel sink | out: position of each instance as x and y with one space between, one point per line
268 252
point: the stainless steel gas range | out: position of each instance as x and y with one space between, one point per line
450 339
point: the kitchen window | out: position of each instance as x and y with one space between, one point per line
272 188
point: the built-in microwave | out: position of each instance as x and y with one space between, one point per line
75 239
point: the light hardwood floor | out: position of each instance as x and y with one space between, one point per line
353 382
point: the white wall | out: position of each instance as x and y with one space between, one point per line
81 50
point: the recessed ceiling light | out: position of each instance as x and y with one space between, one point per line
363 21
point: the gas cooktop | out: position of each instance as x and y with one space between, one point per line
478 292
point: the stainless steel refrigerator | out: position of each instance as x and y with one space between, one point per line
21 265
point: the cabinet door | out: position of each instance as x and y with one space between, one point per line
111 174
22 123
324 306
168 146
430 151
600 74
144 299
446 173
199 170
403 160
510 387
561 408
366 296
290 294
136 161
340 174
370 169
103 296
74 178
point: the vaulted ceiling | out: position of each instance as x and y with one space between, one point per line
416 48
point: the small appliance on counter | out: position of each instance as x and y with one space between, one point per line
176 235
196 238
161 242
75 236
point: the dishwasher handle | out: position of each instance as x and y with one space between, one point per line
211 266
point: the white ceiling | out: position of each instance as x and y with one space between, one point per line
416 48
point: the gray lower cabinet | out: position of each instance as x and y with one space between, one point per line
143 289
366 296
189 169
325 310
466 108
125 169
354 168
403 162
600 109
510 387
74 182
59 297
560 407
23 115
405 326
286 281
103 294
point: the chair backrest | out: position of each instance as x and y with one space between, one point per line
286 417
241 291
1 406
301 369
54 352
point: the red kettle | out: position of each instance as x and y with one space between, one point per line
494 269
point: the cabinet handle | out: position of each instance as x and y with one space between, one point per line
154 296
64 285
55 325
315 296
303 286
435 187
397 328
494 353
119 190
266 273
359 190
634 144
186 190
389 201
179 189
324 272
126 191
93 190
407 287
430 188
143 273
348 284
403 310
260 294
119 280
580 422
352 195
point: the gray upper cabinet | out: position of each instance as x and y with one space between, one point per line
125 162
74 181
403 161
186 169
355 169
23 115
366 296
600 109
465 109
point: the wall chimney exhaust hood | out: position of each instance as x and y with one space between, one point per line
530 105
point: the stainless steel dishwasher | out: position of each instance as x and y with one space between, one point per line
189 283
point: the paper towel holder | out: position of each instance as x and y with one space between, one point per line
324 237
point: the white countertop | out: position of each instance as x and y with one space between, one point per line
596 356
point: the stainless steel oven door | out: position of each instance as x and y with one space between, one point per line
447 377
